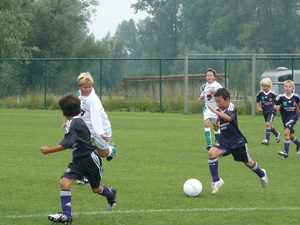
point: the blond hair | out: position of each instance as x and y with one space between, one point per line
85 78
266 82
289 82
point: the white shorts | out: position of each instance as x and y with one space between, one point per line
207 114
99 141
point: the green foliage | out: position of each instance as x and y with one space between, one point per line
36 101
30 101
15 26
149 172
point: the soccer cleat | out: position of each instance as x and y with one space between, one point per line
113 152
112 202
264 179
283 153
215 186
83 181
298 150
60 218
278 137
265 142
208 146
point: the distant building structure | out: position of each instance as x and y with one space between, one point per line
281 74
171 86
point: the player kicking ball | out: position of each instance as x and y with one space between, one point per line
231 141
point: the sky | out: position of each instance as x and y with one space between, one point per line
110 13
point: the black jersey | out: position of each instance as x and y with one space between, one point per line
267 101
289 107
77 138
230 137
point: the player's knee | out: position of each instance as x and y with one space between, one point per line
103 153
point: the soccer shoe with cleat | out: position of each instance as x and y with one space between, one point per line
60 218
208 146
283 153
298 150
113 152
215 186
277 138
265 142
112 202
83 181
264 179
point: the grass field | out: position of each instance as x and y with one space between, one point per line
156 154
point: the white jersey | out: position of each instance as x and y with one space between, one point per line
94 115
205 92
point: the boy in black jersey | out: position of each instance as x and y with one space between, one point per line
264 103
288 104
86 162
231 141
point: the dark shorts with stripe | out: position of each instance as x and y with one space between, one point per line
290 125
240 154
269 117
89 166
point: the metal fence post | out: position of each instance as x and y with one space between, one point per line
160 87
186 80
45 83
100 79
253 84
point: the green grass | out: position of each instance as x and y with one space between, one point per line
156 154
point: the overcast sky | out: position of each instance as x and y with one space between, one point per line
110 13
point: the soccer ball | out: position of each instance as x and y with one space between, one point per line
192 187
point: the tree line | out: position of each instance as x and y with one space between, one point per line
59 29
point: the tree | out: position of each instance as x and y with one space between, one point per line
15 25
161 29
58 29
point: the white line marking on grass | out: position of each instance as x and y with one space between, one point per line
167 210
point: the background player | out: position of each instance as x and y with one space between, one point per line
264 103
289 105
207 94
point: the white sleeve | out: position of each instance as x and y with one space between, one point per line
96 119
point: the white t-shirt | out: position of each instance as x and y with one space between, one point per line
94 115
205 92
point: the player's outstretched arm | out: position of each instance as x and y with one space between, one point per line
47 150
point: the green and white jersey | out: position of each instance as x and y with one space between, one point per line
208 97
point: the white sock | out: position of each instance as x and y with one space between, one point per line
110 150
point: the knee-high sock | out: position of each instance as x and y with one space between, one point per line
207 135
213 164
65 199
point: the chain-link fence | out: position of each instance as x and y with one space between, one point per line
153 79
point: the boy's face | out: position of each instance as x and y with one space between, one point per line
86 89
265 88
210 78
288 88
222 103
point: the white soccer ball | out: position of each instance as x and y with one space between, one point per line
192 187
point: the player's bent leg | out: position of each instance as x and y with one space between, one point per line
103 153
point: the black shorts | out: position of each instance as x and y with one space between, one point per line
89 166
269 117
240 154
290 125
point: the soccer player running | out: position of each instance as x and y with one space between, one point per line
231 141
207 94
85 160
96 119
288 104
264 103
